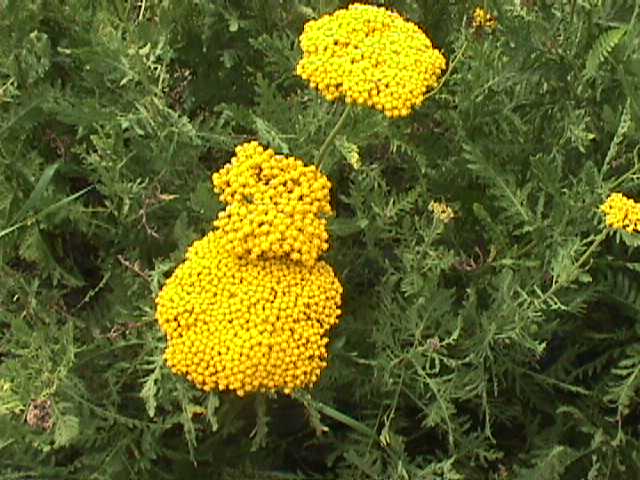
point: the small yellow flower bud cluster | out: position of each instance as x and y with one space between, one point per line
246 325
441 211
250 308
275 206
482 19
370 56
621 213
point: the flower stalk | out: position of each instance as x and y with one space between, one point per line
320 158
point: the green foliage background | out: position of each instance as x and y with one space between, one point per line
502 345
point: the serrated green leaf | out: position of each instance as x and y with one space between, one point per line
183 234
66 430
602 48
213 402
343 227
204 201
150 388
261 429
35 248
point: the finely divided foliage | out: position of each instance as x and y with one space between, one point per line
485 240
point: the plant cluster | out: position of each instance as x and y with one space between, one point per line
249 308
621 213
371 57
481 215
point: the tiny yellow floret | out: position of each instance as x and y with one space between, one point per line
621 213
372 57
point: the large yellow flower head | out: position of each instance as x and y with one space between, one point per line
621 213
370 56
250 307
276 206
245 325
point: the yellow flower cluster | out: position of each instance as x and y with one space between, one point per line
441 211
621 213
245 325
482 19
370 56
275 206
248 320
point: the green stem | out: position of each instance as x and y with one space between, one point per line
339 416
446 75
573 11
598 240
327 143
350 422
624 178
141 14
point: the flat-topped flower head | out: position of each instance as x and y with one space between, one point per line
621 213
247 325
483 19
370 56
441 211
276 206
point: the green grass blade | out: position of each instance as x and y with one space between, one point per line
38 191
47 210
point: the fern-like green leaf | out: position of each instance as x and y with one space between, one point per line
551 464
623 127
621 289
150 388
623 389
602 48
66 430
